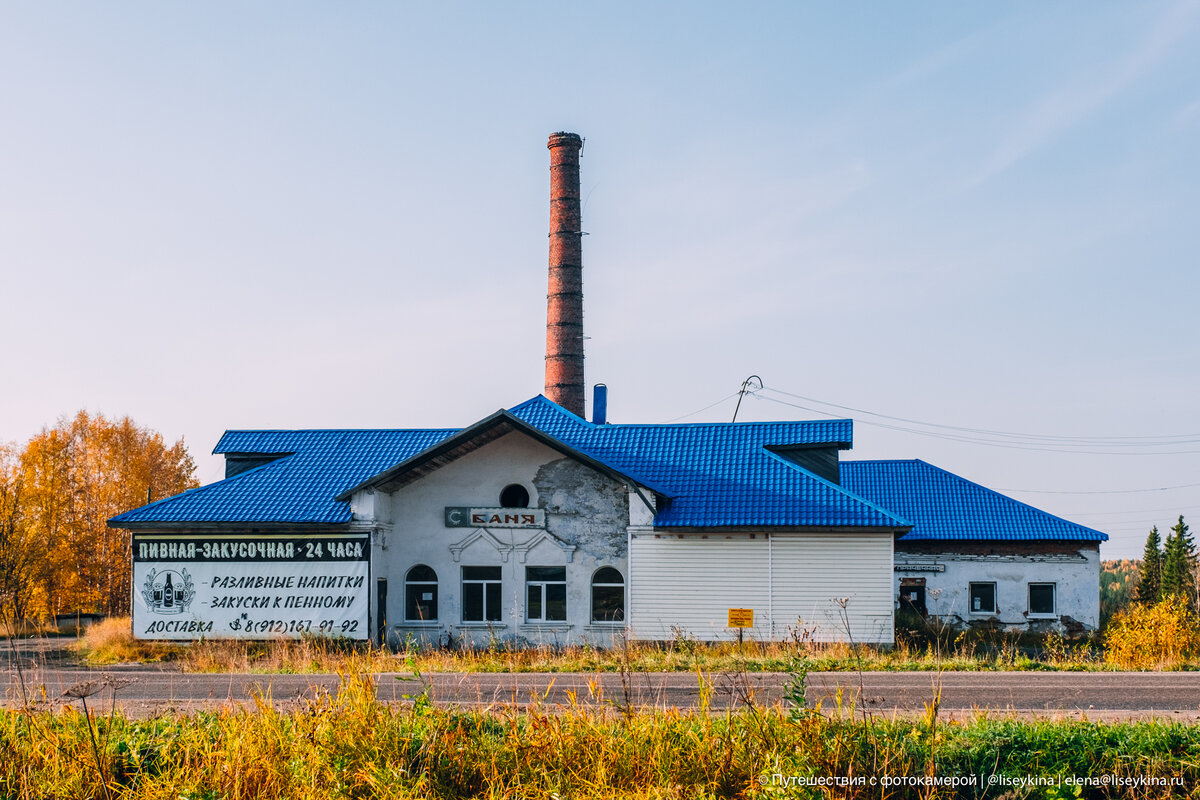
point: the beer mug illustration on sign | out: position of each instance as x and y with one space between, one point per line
168 592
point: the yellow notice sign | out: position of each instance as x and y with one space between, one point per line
741 618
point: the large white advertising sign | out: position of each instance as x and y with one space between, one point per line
250 587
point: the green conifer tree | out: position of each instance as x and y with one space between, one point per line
1187 557
1178 565
1149 588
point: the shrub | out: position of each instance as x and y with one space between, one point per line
1165 635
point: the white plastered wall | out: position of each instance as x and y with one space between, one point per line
949 574
587 519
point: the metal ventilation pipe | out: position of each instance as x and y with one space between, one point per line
564 298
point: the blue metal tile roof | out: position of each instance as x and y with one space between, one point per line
720 474
710 475
943 506
299 488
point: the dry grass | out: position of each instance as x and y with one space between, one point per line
351 745
112 642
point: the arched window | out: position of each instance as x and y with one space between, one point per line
514 496
420 594
608 596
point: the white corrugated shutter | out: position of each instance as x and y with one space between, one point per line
686 585
690 584
813 574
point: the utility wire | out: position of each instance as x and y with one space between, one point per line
706 408
1125 441
1106 491
1180 509
989 442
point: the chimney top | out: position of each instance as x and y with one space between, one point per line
565 139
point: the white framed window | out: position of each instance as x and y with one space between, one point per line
983 598
421 594
481 594
1042 599
608 595
545 594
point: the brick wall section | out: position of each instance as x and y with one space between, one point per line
564 297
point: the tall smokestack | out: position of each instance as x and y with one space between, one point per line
564 299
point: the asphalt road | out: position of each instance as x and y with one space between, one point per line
1096 695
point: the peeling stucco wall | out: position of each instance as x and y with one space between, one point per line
589 509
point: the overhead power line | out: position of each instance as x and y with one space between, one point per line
1136 441
1079 445
1038 446
1106 491
706 408
1173 510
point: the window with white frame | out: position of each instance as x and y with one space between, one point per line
545 594
1041 599
420 594
983 598
608 595
481 594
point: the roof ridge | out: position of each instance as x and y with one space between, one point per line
542 400
724 424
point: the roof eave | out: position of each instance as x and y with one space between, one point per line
240 526
673 529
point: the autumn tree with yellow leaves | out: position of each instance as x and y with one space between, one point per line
57 554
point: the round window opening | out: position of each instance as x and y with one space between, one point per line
514 496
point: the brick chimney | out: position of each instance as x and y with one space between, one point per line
564 298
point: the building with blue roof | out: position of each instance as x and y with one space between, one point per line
536 525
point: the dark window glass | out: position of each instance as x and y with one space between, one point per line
608 603
545 594
533 601
420 594
545 573
422 573
556 601
983 598
481 594
608 596
608 575
1041 598
472 602
514 496
492 612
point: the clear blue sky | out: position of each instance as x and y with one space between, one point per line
274 214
